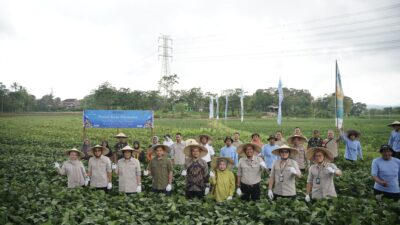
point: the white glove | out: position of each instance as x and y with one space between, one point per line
293 170
56 165
207 191
183 173
139 188
270 194
239 192
212 174
113 166
229 198
109 186
87 180
307 198
169 187
263 165
146 172
330 170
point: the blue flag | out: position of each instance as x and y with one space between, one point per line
339 100
280 94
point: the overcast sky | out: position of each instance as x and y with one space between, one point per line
71 47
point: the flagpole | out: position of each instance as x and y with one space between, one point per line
336 119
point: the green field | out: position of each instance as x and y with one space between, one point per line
32 192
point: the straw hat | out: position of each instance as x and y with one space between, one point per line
394 123
290 139
353 132
293 151
105 151
214 162
312 151
166 148
81 154
192 143
241 149
121 135
128 148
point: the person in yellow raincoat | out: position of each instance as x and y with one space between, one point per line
222 179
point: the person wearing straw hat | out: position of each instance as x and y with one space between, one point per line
177 155
99 170
282 180
204 141
385 171
297 142
196 170
331 143
267 149
110 154
229 151
256 139
128 171
222 179
280 139
249 172
394 140
320 175
122 142
73 168
160 168
353 146
236 139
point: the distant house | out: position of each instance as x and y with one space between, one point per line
70 103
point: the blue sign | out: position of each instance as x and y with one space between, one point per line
118 118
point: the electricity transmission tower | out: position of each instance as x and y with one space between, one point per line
165 52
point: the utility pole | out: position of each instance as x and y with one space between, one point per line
165 53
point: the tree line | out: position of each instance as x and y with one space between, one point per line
297 102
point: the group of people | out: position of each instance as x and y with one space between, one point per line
207 174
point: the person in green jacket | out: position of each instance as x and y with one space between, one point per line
222 179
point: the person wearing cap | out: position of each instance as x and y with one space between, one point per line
249 172
154 141
320 175
229 150
282 180
128 171
256 139
236 139
73 168
353 146
297 141
222 179
138 152
394 140
315 140
385 171
85 148
279 139
160 168
331 143
177 155
122 142
267 149
99 170
195 170
205 141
